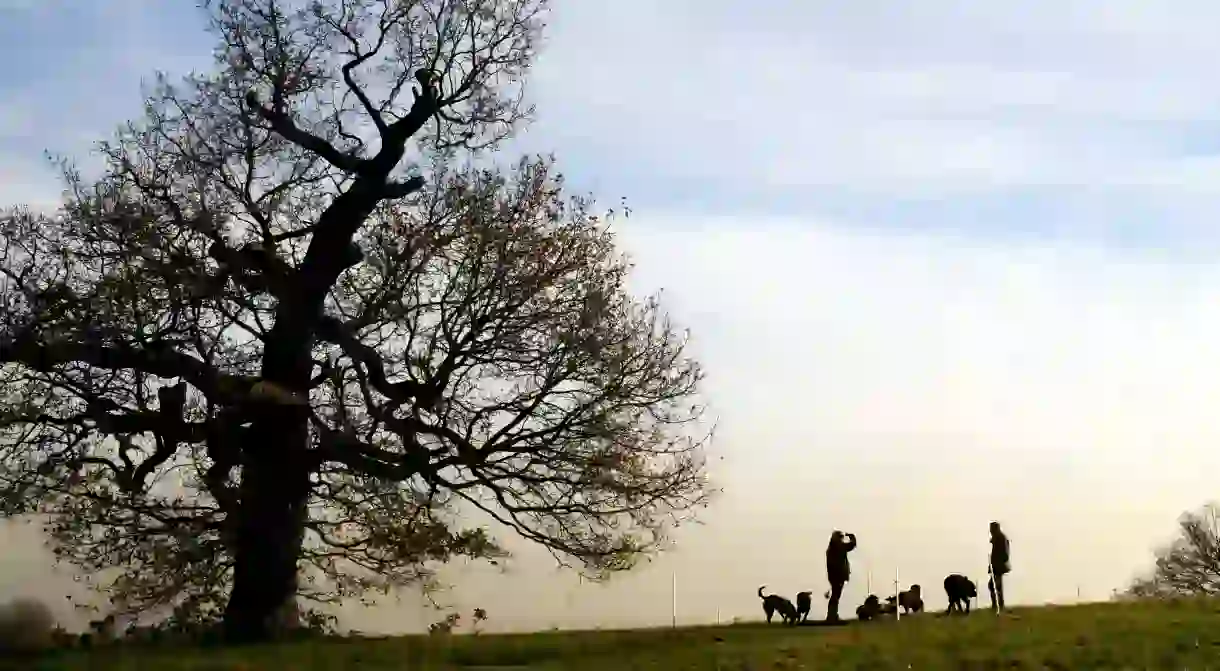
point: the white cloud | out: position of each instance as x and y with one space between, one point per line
940 100
902 384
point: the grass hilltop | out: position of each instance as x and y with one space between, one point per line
1129 635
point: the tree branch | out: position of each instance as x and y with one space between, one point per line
282 123
162 362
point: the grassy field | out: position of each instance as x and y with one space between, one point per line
1183 635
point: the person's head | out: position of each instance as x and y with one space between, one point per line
995 528
836 537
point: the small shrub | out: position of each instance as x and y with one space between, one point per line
26 625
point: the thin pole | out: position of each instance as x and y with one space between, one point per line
897 596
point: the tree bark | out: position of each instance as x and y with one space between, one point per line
269 527
276 467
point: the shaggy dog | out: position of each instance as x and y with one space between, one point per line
773 603
960 591
804 603
911 600
870 609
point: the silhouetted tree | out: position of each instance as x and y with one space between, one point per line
263 357
1191 564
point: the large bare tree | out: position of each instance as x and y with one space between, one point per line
1190 565
292 330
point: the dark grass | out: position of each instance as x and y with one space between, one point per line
1162 635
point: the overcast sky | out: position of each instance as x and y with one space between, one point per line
945 263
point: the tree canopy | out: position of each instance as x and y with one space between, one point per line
1190 565
295 329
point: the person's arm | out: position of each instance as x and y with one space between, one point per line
851 544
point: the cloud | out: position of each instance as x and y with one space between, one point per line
803 109
914 387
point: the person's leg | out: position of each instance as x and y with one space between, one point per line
999 589
832 608
991 591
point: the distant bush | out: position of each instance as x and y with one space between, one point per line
26 625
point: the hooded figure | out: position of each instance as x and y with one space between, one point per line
838 569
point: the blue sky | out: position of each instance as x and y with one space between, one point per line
1091 121
945 262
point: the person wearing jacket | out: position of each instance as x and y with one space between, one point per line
999 566
838 569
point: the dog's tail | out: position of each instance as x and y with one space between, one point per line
760 594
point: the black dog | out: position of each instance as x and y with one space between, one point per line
804 603
960 591
870 609
773 603
911 600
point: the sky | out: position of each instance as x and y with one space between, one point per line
944 263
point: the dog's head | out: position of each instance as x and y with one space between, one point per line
915 589
971 590
872 601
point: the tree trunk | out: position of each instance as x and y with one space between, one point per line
275 482
274 493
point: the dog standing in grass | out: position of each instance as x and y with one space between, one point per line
960 591
774 603
804 604
911 600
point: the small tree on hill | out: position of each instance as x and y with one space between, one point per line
1190 565
265 357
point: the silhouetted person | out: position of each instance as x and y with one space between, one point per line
999 566
838 570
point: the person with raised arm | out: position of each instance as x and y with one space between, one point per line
838 569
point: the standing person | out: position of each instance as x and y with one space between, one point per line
999 566
838 570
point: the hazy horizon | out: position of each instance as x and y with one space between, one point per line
943 266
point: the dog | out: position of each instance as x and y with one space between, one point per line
911 600
870 609
804 603
960 591
774 603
